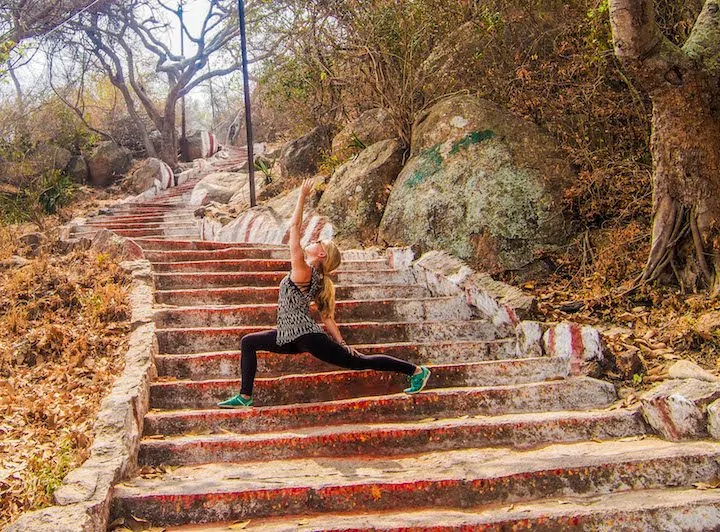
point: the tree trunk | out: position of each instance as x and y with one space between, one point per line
686 209
169 142
685 143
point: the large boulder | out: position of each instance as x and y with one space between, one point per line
77 168
453 59
370 127
150 173
201 145
302 156
356 195
107 162
481 184
48 157
218 187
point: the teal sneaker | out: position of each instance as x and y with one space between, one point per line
236 402
417 382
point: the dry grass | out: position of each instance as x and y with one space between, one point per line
63 322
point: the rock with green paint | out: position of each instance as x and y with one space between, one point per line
356 195
481 184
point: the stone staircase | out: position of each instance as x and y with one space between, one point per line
498 441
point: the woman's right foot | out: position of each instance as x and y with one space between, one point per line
236 402
418 381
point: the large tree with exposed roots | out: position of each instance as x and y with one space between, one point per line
683 83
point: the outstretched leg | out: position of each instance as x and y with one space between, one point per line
328 350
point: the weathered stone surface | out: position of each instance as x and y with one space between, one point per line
356 195
106 241
581 345
713 413
444 274
684 369
33 240
481 184
302 156
708 325
218 187
677 409
48 157
74 518
529 339
273 151
201 144
149 174
107 162
13 263
370 127
77 168
447 63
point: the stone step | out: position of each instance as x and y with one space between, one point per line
112 225
269 294
346 384
177 281
579 393
451 479
202 245
256 265
155 218
406 310
229 253
200 340
160 232
130 233
690 510
226 365
392 439
137 209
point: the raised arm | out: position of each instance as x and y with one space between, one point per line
300 271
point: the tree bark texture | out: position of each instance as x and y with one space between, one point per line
685 144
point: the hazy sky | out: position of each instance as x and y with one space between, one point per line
33 76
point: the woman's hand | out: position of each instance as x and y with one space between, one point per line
307 187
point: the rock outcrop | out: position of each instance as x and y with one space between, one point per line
201 145
150 173
218 187
107 162
77 168
356 195
49 157
370 127
481 184
302 156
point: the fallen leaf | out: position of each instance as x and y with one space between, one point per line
240 525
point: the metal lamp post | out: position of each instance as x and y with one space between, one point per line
246 89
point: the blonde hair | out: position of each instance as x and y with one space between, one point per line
326 298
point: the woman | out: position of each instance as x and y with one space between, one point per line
297 332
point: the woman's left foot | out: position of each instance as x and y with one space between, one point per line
418 381
236 402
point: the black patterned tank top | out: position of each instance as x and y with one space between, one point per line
293 318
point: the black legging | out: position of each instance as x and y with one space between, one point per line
319 345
